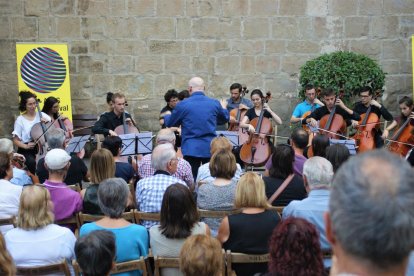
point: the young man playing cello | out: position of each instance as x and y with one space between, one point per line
365 93
330 99
307 106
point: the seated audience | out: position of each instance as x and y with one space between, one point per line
249 231
201 256
21 176
295 250
298 140
7 267
371 214
219 193
150 190
282 167
66 201
217 144
36 240
183 171
179 220
95 253
317 175
9 193
131 239
337 154
102 167
77 170
319 145
122 169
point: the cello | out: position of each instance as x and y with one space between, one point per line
257 150
403 139
332 124
365 134
239 114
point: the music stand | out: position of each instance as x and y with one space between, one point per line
136 143
76 144
232 136
350 144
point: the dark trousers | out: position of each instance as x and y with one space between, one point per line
195 163
30 155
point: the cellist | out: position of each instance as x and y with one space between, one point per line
330 99
236 101
307 106
366 95
406 107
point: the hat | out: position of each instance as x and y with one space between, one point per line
57 159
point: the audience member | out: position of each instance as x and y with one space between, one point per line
9 193
122 169
217 144
219 193
95 253
102 167
21 177
7 267
179 220
317 176
295 250
319 145
201 256
249 231
337 154
36 240
77 169
298 140
282 167
371 215
183 172
65 200
131 239
150 190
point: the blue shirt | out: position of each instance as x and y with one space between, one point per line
304 107
198 117
232 105
131 242
312 209
20 177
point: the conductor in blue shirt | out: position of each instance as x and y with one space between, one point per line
198 116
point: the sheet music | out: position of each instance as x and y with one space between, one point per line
233 136
76 144
350 144
136 143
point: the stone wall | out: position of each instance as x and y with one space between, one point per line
144 47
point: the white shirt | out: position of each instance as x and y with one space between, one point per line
9 201
22 126
47 245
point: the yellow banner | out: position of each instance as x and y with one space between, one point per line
44 70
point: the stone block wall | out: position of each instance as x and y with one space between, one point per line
145 47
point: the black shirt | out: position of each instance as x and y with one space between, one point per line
76 172
362 109
108 121
124 171
323 110
163 110
251 114
295 190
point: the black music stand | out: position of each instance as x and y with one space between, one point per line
136 143
350 144
232 136
76 144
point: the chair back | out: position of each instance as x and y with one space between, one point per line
85 121
140 216
73 220
216 214
277 209
233 258
140 264
85 218
8 221
44 269
164 262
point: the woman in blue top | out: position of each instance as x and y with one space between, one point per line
131 239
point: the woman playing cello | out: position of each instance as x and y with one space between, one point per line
23 125
51 108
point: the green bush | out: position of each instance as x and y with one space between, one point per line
346 70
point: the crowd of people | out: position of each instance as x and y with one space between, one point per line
350 215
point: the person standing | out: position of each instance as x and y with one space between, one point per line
198 117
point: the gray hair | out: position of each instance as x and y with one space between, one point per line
372 208
165 135
6 145
55 138
113 197
318 172
161 155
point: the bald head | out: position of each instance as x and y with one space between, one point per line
165 135
196 84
